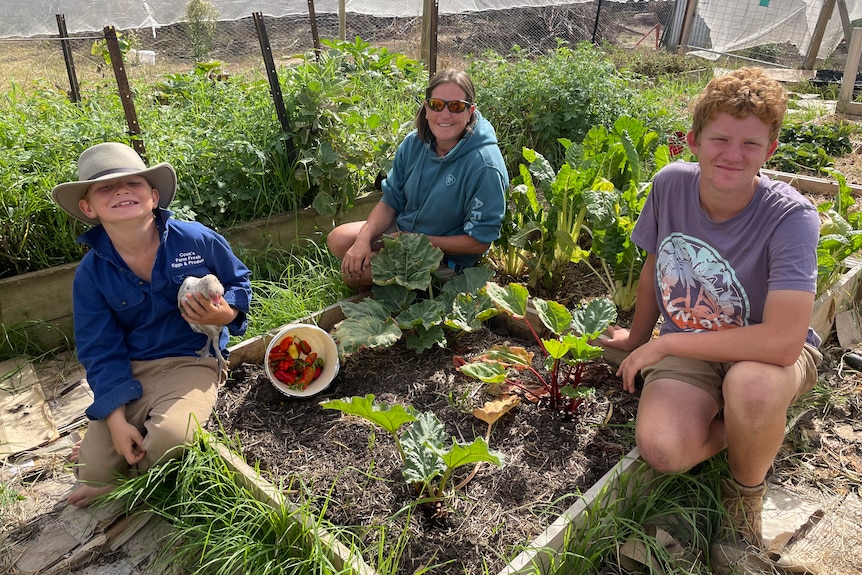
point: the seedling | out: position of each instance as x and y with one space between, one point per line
565 356
427 452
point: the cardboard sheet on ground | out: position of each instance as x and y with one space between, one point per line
26 420
784 514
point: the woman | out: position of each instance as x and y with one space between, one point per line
448 181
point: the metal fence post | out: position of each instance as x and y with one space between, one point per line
74 92
125 91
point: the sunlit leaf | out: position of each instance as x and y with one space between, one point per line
497 408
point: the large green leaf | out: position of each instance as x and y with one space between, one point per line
489 372
465 454
512 298
365 308
594 317
423 338
395 298
389 417
554 315
357 333
422 464
465 313
426 313
471 280
407 260
556 348
580 348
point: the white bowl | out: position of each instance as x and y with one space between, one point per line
321 343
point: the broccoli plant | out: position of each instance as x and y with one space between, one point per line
406 302
428 454
565 355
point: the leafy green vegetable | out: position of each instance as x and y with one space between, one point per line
404 270
562 380
429 455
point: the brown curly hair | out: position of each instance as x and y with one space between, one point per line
743 92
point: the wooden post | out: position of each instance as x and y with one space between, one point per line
124 90
596 21
687 24
425 42
851 69
846 24
342 20
74 92
432 51
817 36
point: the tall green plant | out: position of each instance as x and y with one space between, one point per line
584 213
533 102
342 142
202 21
840 234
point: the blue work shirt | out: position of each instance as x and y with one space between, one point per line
120 317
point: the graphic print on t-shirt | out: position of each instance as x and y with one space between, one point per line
699 289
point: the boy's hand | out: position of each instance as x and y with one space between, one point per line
127 440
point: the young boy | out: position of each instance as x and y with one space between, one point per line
731 269
151 388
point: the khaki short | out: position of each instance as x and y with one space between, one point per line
708 375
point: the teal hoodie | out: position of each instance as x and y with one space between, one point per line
464 192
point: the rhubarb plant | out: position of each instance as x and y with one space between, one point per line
560 377
407 300
429 455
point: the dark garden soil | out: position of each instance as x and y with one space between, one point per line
549 457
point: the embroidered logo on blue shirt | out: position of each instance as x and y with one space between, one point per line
186 259
450 179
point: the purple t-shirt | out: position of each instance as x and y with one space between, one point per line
715 275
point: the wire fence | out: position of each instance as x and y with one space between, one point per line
652 24
235 44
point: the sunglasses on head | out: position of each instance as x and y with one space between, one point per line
455 106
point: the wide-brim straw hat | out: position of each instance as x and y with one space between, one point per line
107 161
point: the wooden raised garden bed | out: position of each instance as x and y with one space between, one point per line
536 555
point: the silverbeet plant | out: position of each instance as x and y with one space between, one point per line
428 453
566 354
407 302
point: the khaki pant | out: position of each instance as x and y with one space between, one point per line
709 375
179 393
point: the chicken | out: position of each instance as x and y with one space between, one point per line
211 287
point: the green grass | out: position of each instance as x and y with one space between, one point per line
685 505
219 527
291 284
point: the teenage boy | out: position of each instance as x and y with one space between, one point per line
731 270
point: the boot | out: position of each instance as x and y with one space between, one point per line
741 532
739 548
744 507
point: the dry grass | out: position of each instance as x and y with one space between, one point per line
40 63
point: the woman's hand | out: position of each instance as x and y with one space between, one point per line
357 259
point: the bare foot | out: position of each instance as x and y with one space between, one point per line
73 457
85 494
